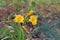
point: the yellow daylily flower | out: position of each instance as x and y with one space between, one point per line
30 12
33 20
25 29
19 18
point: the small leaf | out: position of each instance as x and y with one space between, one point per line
33 4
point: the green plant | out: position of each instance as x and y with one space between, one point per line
2 3
4 33
18 31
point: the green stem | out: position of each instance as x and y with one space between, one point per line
20 32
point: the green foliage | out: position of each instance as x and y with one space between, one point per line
18 30
2 3
17 33
25 1
33 4
4 33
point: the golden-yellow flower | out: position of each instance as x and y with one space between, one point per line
19 18
25 29
33 20
30 12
